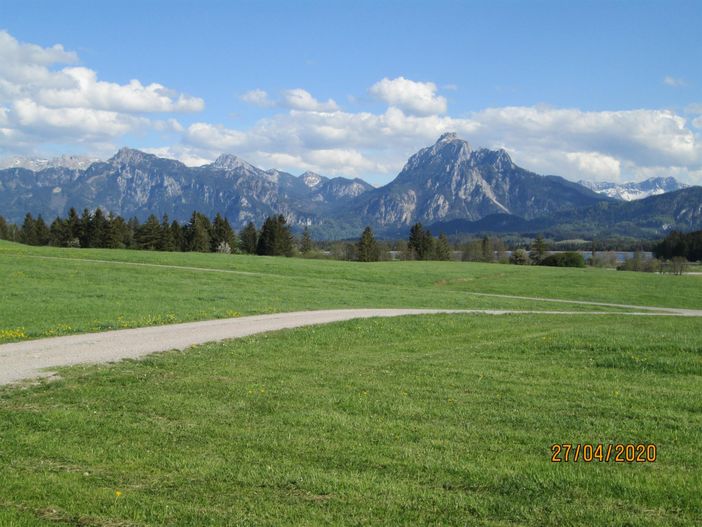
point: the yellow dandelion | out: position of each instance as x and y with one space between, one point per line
118 493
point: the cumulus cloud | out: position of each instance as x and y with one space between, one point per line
257 97
675 82
299 99
413 97
83 90
603 145
45 98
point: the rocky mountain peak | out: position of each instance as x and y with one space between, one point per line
311 179
448 137
448 151
128 156
231 162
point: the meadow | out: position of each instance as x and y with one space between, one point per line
53 291
423 420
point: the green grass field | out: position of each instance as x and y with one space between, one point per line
51 291
431 420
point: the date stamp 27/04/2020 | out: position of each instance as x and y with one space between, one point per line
604 453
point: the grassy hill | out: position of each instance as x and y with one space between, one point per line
51 291
431 420
436 420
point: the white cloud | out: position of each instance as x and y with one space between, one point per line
80 123
257 97
42 102
83 90
593 165
564 141
214 137
675 82
299 99
413 97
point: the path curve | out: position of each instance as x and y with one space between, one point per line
32 358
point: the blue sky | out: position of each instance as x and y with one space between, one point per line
592 90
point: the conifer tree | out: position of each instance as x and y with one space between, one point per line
306 244
98 228
85 230
28 232
443 249
538 250
367 248
249 238
132 229
275 238
116 232
148 236
166 240
59 234
73 225
199 233
4 231
421 242
178 236
222 232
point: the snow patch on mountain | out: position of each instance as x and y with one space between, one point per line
635 190
35 164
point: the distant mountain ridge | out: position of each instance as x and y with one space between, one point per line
134 183
36 164
635 190
447 185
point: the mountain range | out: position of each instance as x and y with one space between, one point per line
635 190
447 185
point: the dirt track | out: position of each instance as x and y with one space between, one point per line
35 358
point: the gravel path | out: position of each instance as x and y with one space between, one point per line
35 358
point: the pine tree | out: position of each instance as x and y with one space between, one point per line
178 236
59 234
249 238
421 242
4 230
28 233
537 250
85 234
222 232
116 232
98 228
148 236
132 229
443 249
199 233
276 238
42 231
166 240
73 224
306 244
367 248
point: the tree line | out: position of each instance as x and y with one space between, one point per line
680 244
200 234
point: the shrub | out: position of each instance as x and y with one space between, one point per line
567 259
519 257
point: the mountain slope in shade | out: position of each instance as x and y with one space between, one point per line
650 217
635 190
449 180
